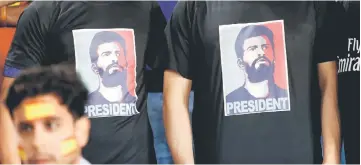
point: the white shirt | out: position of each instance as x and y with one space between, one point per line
83 161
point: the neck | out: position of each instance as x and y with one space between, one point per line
112 94
258 90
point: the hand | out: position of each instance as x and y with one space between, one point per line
5 3
13 14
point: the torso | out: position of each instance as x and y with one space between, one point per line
277 136
114 138
349 84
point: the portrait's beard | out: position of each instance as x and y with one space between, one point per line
113 78
263 72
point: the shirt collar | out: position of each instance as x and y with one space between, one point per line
83 161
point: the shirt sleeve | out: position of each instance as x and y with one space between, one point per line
157 45
329 41
178 34
28 46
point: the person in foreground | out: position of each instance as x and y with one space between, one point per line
47 108
227 51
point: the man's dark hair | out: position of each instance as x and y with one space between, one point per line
104 37
251 31
61 80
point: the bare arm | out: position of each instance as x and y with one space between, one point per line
329 112
27 50
8 144
176 117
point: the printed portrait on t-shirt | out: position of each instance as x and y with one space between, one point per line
254 68
105 60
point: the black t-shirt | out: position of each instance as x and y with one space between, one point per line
154 76
154 80
109 43
222 46
349 83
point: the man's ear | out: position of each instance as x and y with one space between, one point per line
95 68
82 130
240 63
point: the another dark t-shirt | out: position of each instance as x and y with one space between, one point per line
213 44
349 83
64 32
154 79
154 75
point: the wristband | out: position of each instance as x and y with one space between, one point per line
16 4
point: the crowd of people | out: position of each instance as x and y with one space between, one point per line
269 79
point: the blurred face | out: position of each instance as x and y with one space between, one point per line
258 66
111 72
48 133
